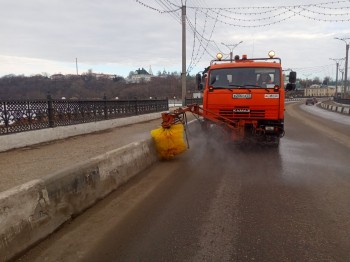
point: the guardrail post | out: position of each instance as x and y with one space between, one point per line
105 106
6 117
50 111
157 105
136 107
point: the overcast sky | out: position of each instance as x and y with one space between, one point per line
119 36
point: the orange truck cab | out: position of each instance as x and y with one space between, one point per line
247 94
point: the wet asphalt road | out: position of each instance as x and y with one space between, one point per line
222 203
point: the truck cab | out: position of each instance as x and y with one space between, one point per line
249 92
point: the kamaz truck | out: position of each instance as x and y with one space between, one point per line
242 96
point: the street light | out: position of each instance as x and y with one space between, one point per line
346 61
231 47
336 76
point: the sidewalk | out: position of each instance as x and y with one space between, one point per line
22 165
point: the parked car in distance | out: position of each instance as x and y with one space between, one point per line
315 100
309 101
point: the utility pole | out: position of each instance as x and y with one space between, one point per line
336 81
76 65
342 79
346 62
231 47
183 73
336 76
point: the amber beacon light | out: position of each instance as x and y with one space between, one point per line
219 56
272 54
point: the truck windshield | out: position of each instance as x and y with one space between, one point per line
248 77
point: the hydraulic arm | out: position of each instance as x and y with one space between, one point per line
179 116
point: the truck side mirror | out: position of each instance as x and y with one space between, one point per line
290 87
199 82
292 77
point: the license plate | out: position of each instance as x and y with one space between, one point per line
241 96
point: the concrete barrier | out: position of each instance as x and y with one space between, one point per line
28 138
31 212
336 108
293 99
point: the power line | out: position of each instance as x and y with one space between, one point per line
278 6
233 12
167 7
148 6
204 17
194 42
200 41
170 3
202 20
168 10
205 48
267 13
318 19
323 13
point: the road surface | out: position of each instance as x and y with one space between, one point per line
222 203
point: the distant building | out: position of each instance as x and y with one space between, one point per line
318 90
163 74
98 76
57 77
104 76
72 76
140 75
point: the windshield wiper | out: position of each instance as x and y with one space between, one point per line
244 86
251 86
221 87
236 85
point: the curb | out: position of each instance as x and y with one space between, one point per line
292 99
32 211
335 108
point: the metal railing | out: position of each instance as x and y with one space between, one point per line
342 101
20 116
189 101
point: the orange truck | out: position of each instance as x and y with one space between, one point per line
243 96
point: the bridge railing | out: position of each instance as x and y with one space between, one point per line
25 115
189 101
342 100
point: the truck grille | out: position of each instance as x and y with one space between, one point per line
242 114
